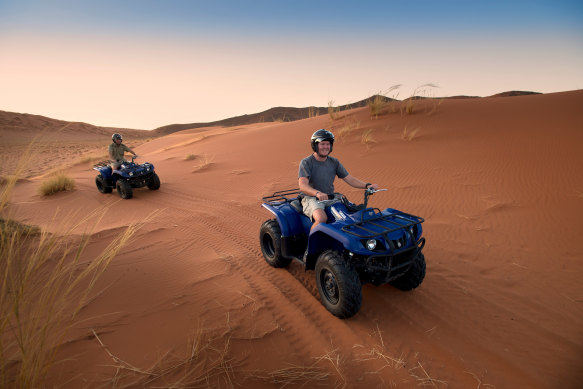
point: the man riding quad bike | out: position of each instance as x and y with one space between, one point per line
129 175
356 245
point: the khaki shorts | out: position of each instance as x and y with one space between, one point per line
311 203
116 164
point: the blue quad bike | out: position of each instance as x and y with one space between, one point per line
357 245
129 175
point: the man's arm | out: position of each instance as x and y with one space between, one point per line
305 187
130 150
356 183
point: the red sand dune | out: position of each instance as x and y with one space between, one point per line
498 181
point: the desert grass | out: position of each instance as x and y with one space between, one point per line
206 161
420 92
367 138
306 375
424 379
294 376
379 352
45 280
59 182
312 112
190 157
333 111
206 364
343 132
376 105
409 134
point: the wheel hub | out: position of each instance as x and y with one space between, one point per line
330 286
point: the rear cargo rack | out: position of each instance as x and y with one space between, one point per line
281 196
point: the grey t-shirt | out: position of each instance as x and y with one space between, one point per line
321 175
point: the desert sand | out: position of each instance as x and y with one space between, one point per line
498 181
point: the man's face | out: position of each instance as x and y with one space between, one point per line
117 141
323 148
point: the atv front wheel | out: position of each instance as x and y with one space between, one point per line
338 284
102 184
270 242
154 182
124 189
414 276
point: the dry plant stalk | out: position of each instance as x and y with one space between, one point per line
347 129
409 135
367 138
44 283
425 379
196 369
376 105
205 162
333 111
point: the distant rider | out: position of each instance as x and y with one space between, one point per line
117 150
317 173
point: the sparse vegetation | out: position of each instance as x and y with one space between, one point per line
45 283
60 182
205 162
422 91
333 111
367 138
312 112
206 365
408 134
190 157
376 105
347 129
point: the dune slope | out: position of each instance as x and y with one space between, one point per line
498 181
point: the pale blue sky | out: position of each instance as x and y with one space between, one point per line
144 64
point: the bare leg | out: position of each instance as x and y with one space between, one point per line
319 216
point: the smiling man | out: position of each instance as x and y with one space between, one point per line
316 176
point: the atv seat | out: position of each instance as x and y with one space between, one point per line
297 205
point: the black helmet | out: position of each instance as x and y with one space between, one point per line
322 135
116 136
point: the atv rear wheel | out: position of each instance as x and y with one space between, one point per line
414 276
338 284
124 189
154 182
270 242
102 184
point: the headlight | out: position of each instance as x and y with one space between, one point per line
131 174
371 244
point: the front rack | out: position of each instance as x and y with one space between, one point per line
363 229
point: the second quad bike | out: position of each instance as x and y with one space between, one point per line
130 175
357 245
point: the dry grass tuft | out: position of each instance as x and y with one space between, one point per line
206 365
379 352
294 376
343 132
333 111
420 92
367 138
45 282
376 105
312 112
206 161
60 182
190 157
424 379
408 134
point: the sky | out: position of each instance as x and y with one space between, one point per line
143 64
